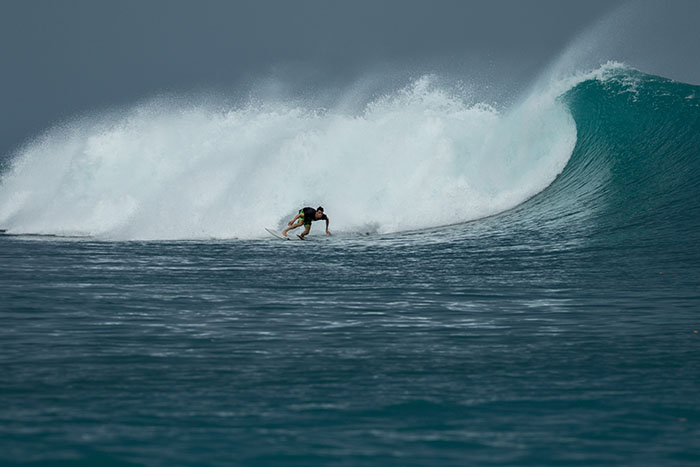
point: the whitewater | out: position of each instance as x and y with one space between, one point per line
418 157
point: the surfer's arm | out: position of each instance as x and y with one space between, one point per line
328 232
292 221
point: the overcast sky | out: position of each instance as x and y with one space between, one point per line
63 58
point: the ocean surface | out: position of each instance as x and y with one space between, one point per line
503 287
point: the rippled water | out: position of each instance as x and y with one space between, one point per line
409 350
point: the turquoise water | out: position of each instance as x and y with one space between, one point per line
561 331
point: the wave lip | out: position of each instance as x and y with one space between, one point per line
633 179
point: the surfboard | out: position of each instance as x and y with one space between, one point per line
275 234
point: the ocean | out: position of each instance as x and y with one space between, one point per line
514 286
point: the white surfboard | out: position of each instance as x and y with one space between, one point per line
276 234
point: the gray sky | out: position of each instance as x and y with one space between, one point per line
60 59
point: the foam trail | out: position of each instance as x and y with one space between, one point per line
415 158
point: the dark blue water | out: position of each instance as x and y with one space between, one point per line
563 332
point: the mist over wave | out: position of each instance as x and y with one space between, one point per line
414 158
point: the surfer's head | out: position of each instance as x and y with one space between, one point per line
319 212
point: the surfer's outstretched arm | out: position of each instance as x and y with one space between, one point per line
328 232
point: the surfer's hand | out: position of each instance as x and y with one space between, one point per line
328 232
289 223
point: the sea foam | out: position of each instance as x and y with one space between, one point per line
418 157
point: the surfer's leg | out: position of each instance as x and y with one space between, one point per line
307 227
298 224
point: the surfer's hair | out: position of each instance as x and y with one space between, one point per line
320 208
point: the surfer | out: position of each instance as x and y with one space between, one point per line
305 217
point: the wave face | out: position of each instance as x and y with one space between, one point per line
419 157
634 176
608 155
